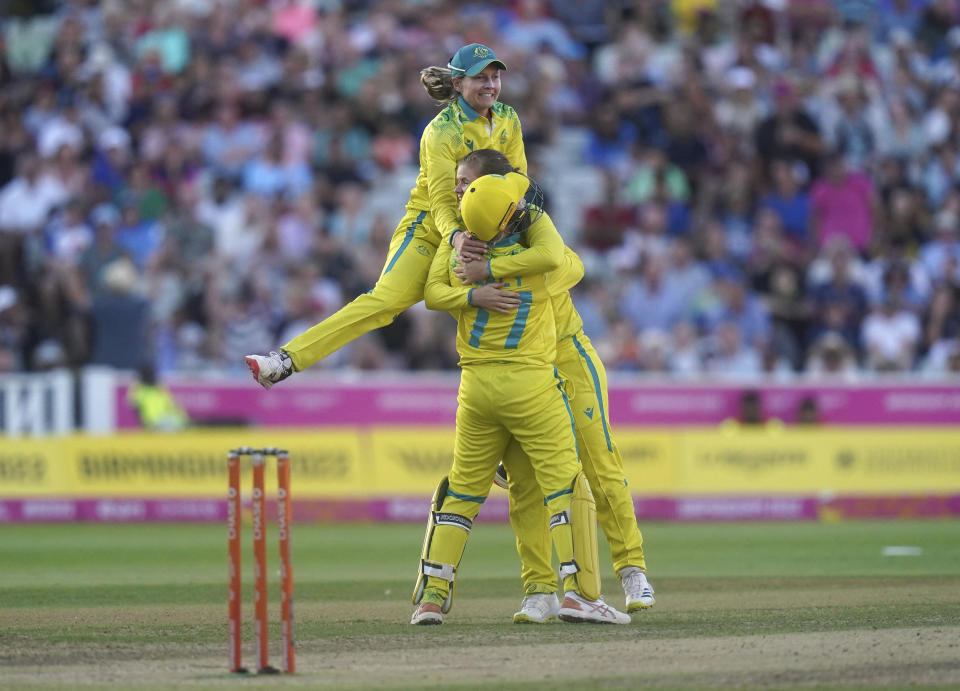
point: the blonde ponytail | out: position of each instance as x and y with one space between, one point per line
439 84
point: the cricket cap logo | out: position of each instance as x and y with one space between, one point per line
472 59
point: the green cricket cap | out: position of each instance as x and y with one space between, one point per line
472 59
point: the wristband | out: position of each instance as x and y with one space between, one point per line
452 233
469 295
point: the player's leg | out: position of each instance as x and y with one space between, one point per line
528 517
586 381
540 419
478 445
400 285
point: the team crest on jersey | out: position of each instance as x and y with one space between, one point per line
503 138
422 249
588 412
469 143
481 52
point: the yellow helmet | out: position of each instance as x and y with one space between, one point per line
491 202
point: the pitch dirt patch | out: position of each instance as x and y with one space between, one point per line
905 656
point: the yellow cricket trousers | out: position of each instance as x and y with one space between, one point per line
499 401
400 285
585 382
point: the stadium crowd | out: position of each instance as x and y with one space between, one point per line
761 187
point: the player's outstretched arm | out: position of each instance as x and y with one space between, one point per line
567 275
438 294
545 252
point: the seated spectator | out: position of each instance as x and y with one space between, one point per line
907 221
840 302
941 317
730 302
790 312
831 358
736 209
654 351
111 159
843 203
619 349
228 143
656 176
897 285
140 238
67 235
943 359
789 133
685 358
12 330
687 274
891 337
140 191
652 300
605 222
790 203
27 200
534 28
856 123
269 175
728 355
739 111
941 255
103 249
610 140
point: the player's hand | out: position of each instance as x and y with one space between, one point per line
468 247
472 272
492 297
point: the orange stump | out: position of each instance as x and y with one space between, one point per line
233 551
284 518
261 620
259 519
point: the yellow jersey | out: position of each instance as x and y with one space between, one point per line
456 131
541 272
559 283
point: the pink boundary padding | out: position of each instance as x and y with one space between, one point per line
306 403
414 509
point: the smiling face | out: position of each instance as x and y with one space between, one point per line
467 172
481 91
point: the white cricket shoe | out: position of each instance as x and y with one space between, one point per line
537 609
427 613
638 590
267 370
578 610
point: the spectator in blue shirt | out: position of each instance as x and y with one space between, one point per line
141 239
789 202
268 175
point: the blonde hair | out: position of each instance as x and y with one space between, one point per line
438 81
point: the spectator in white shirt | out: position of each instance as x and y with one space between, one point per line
27 200
890 337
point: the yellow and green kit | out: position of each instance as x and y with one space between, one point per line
585 383
509 389
431 216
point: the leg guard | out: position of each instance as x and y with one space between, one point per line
443 546
581 521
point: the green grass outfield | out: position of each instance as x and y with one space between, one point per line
757 605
